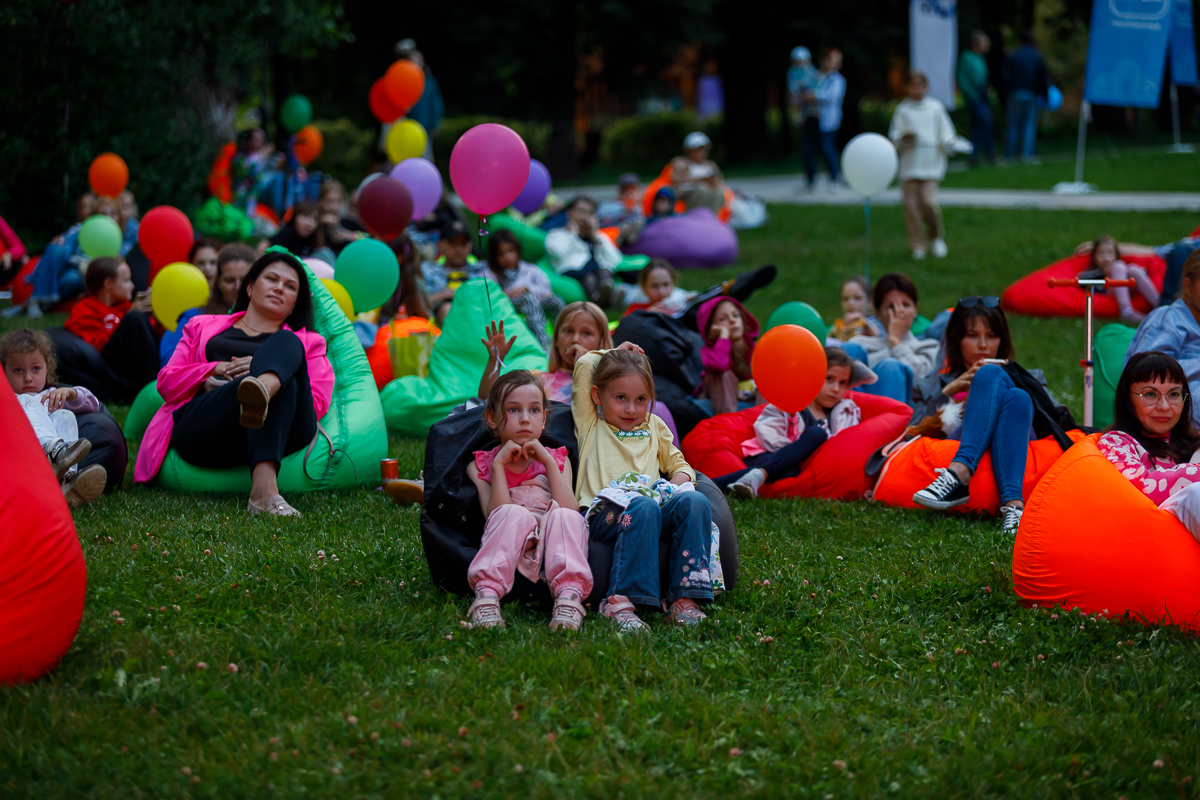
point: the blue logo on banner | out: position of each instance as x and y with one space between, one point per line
1183 45
1127 49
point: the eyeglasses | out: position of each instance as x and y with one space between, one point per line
1150 397
990 301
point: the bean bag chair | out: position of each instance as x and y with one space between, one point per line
1030 295
22 291
43 578
674 352
834 471
694 239
412 404
569 289
1090 540
452 521
108 445
1109 347
354 422
378 354
912 468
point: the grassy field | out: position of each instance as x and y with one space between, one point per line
867 652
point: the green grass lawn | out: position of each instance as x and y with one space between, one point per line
867 651
1110 170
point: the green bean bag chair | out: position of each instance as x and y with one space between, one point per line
412 404
1108 352
354 423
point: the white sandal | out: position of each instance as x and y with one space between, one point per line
276 506
567 614
485 613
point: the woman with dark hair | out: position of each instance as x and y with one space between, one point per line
898 357
247 387
203 256
989 413
410 297
303 236
232 263
525 284
1152 440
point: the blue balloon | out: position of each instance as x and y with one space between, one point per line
1052 100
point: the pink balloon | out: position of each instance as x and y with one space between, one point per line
320 268
489 167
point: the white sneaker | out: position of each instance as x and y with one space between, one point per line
919 254
939 248
747 486
1010 519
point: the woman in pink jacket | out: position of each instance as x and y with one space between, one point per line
247 388
1152 441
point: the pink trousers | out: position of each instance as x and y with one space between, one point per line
514 539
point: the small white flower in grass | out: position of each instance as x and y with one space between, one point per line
201 665
734 752
320 554
353 720
837 762
840 558
767 582
120 621
186 770
208 552
518 769
1158 763
374 736
462 731
1054 616
116 613
1041 657
233 668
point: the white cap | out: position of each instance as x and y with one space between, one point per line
695 139
801 54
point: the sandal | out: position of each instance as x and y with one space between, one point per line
254 399
685 613
485 613
567 614
623 612
275 506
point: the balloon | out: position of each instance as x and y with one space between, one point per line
320 268
489 167
802 314
385 207
176 288
100 236
381 105
108 175
789 367
340 296
165 235
1053 101
869 163
369 271
406 139
295 113
537 186
423 182
309 144
404 83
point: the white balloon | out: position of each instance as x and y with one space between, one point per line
870 163
320 268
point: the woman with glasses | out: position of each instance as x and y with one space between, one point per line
1152 441
996 414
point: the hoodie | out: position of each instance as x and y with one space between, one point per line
717 354
95 322
668 193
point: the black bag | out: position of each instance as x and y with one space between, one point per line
674 353
1049 418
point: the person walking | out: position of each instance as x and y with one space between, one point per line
1025 80
972 79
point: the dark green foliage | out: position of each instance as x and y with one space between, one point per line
647 143
535 134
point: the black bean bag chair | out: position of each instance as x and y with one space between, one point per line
80 364
108 445
452 521
674 353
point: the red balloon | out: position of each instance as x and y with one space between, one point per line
165 236
381 105
385 207
789 367
108 175
405 83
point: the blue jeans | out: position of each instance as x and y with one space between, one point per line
684 522
810 138
1021 119
55 277
830 148
784 462
997 417
982 135
895 377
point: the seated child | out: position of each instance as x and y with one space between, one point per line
663 205
454 266
729 333
28 360
658 281
783 442
533 522
853 321
624 451
525 284
1107 263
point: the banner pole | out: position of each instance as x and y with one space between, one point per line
1085 110
867 266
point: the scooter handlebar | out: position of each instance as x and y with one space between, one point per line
1109 283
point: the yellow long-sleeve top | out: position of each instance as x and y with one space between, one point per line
607 452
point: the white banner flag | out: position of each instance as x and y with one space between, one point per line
933 45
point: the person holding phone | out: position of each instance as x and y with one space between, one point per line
897 357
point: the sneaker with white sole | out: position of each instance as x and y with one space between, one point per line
685 613
1010 519
946 492
939 248
85 486
919 254
747 486
63 456
568 614
485 613
623 612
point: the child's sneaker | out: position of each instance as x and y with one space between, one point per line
622 611
485 613
1010 519
685 613
568 613
939 248
63 456
946 492
747 486
86 486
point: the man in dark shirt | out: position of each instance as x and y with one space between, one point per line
1025 79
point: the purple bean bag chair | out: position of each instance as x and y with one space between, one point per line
691 240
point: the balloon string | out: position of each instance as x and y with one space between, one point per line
487 285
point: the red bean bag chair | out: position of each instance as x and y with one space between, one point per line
22 291
43 579
834 471
912 468
1030 295
1090 540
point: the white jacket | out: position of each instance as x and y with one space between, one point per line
919 354
771 427
568 252
924 159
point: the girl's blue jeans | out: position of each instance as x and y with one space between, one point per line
55 277
998 417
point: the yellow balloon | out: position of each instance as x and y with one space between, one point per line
406 139
340 296
176 288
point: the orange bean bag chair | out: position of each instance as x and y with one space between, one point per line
1090 540
912 468
1030 295
378 355
664 179
834 471
43 579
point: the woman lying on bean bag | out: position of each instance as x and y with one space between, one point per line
247 387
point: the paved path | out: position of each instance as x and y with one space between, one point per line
791 189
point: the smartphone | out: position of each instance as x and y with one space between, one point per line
999 361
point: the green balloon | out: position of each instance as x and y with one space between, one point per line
296 112
368 270
802 314
100 236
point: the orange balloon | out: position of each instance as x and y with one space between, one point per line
404 83
108 175
789 367
308 145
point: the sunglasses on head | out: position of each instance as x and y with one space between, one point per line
990 301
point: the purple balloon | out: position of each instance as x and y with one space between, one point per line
488 167
536 188
423 182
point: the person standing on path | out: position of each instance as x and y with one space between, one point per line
802 79
1025 79
972 79
829 93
